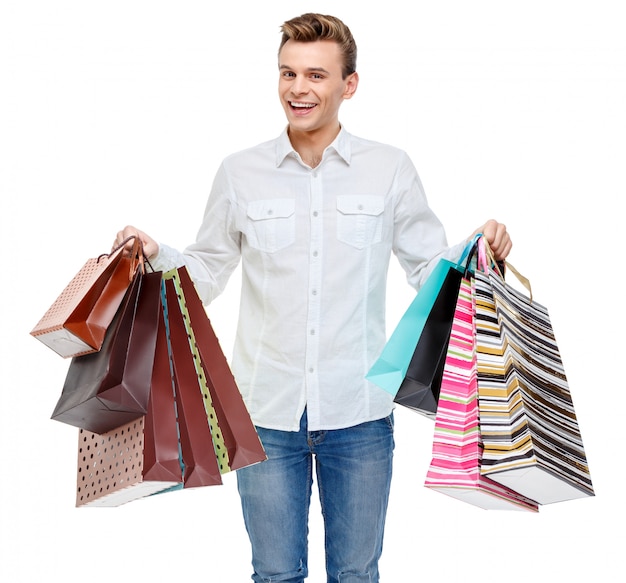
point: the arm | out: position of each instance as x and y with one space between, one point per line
215 253
419 239
419 236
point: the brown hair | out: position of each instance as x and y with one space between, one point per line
312 27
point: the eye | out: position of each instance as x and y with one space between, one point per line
317 76
288 74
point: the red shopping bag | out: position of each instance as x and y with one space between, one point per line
77 321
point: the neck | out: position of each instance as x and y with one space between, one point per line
311 145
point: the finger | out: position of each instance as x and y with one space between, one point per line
498 238
503 250
502 244
126 237
488 231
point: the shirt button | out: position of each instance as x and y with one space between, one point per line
360 207
314 292
312 332
315 213
315 253
311 369
270 212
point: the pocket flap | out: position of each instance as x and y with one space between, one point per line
354 204
275 208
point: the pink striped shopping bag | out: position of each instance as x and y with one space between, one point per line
457 447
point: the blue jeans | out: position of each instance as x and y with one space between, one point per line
353 468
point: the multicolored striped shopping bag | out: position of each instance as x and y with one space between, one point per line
530 433
457 447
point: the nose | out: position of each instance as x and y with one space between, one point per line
299 86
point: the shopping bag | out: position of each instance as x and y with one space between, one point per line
140 458
78 319
106 389
411 363
200 436
163 458
390 368
209 400
239 434
420 387
457 448
532 441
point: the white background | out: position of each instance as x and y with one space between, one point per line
119 112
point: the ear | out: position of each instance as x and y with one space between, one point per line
352 82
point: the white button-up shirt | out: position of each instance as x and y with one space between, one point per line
315 245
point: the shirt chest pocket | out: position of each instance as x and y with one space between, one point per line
271 224
360 219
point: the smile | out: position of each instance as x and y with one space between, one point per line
299 105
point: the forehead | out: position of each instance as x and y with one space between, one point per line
323 54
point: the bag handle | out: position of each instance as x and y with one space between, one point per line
465 262
487 262
468 252
136 254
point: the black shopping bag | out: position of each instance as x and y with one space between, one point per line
105 389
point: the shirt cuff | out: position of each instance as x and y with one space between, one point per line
167 258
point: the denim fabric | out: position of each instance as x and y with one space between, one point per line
353 468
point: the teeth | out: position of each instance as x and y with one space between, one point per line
302 105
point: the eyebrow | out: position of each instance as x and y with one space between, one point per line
309 69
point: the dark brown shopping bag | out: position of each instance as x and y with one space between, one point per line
140 458
77 321
217 434
162 452
105 389
240 437
196 436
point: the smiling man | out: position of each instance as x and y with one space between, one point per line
314 217
314 81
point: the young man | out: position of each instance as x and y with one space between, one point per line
314 216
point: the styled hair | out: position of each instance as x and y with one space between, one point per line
312 27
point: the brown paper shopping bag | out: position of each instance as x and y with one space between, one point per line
217 434
78 319
110 387
139 458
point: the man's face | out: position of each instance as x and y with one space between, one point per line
311 88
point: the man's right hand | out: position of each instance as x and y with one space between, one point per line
150 246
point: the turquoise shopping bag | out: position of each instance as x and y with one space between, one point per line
390 369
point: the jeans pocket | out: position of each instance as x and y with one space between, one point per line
390 421
360 219
271 224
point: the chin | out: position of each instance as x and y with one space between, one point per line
304 121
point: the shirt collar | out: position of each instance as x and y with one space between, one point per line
341 145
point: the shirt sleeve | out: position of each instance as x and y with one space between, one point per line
215 254
419 239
